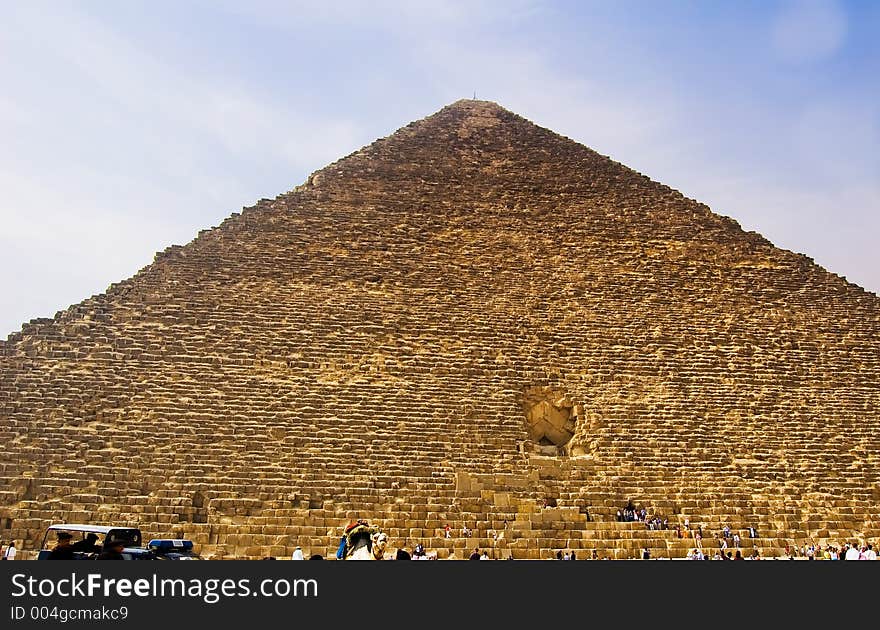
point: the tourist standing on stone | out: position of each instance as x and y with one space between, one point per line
298 554
736 540
112 551
448 531
476 554
870 554
10 552
63 550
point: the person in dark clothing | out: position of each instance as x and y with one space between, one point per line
87 545
63 550
475 555
403 554
112 551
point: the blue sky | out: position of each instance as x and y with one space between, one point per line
126 127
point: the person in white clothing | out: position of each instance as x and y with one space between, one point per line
852 553
10 552
870 554
298 554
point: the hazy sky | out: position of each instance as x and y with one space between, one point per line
126 127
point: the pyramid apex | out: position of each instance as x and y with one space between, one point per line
472 104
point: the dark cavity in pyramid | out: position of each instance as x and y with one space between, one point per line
454 325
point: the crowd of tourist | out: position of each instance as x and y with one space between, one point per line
729 544
631 513
847 551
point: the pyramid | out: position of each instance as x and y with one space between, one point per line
473 321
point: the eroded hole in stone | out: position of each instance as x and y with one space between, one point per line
198 500
551 416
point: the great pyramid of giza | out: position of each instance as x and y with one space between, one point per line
473 321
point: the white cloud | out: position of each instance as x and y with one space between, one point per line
809 30
127 157
55 252
240 116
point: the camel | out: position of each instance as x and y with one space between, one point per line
364 542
